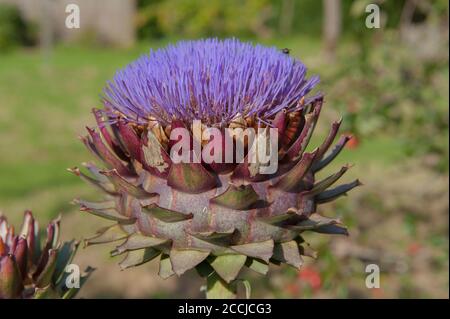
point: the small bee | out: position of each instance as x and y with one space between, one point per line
286 51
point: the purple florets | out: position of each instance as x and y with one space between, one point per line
211 80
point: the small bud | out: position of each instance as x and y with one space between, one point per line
10 279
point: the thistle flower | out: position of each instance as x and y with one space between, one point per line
29 270
211 80
221 216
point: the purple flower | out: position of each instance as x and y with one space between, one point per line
210 80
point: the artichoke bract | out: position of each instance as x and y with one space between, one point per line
29 269
219 215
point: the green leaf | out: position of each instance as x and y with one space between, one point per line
262 250
327 182
288 252
47 292
257 265
138 241
321 224
138 257
332 194
332 230
125 187
217 288
317 166
247 287
165 215
106 235
289 182
106 187
314 221
45 277
215 240
305 250
228 266
65 256
276 219
237 197
165 267
185 259
190 178
108 213
72 292
329 139
108 204
204 269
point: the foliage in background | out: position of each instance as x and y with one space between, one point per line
403 102
260 18
13 29
389 85
204 18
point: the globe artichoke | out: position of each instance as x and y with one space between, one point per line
222 215
29 270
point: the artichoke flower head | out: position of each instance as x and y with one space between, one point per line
182 183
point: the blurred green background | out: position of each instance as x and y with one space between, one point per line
389 84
